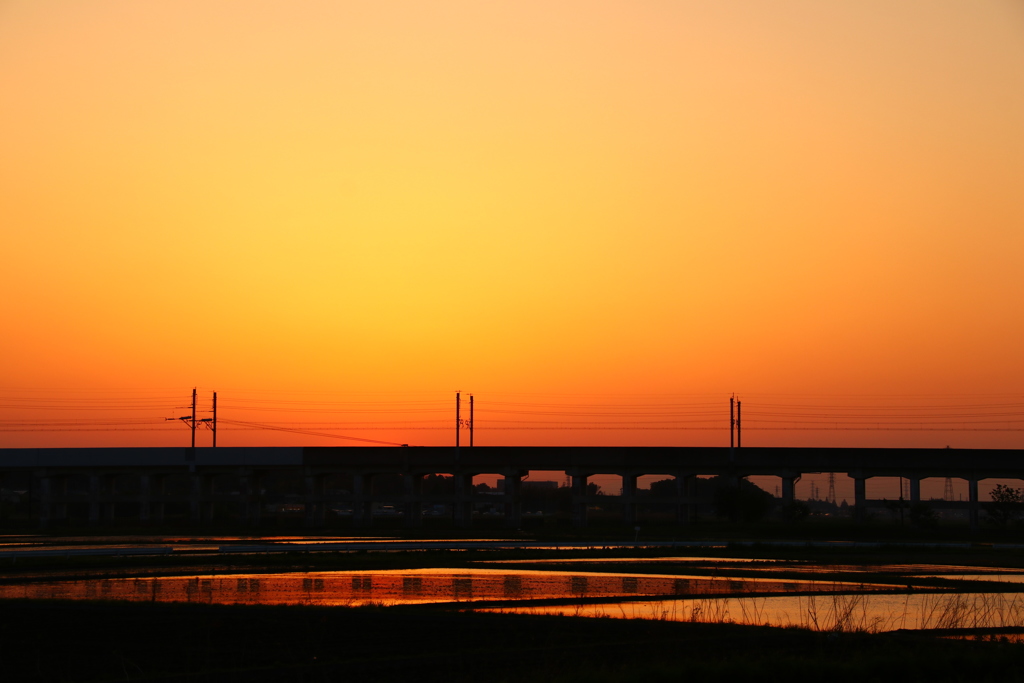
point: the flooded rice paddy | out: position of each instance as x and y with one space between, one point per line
417 586
700 587
738 591
872 613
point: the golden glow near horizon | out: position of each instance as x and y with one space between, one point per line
602 202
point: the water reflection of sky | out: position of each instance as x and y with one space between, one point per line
645 560
862 612
1000 578
768 599
435 585
821 605
263 544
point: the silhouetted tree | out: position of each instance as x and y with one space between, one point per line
922 516
795 511
740 500
663 488
438 485
1006 504
388 485
566 491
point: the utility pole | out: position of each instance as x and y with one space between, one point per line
732 427
901 501
458 419
471 420
192 422
734 480
739 425
215 419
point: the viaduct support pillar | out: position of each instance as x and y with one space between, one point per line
629 498
57 491
915 490
95 499
413 499
860 499
686 507
112 494
579 500
789 489
252 505
972 490
462 506
513 500
362 503
62 506
145 498
158 491
62 502
45 484
315 503
198 498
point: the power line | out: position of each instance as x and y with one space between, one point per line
549 412
309 432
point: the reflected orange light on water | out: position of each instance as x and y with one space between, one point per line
870 613
436 585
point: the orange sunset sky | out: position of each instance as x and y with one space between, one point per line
610 214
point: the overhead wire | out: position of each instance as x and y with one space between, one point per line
995 413
310 432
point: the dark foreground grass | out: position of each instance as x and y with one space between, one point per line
76 641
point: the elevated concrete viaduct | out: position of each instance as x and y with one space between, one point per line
94 477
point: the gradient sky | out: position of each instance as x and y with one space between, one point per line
599 201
